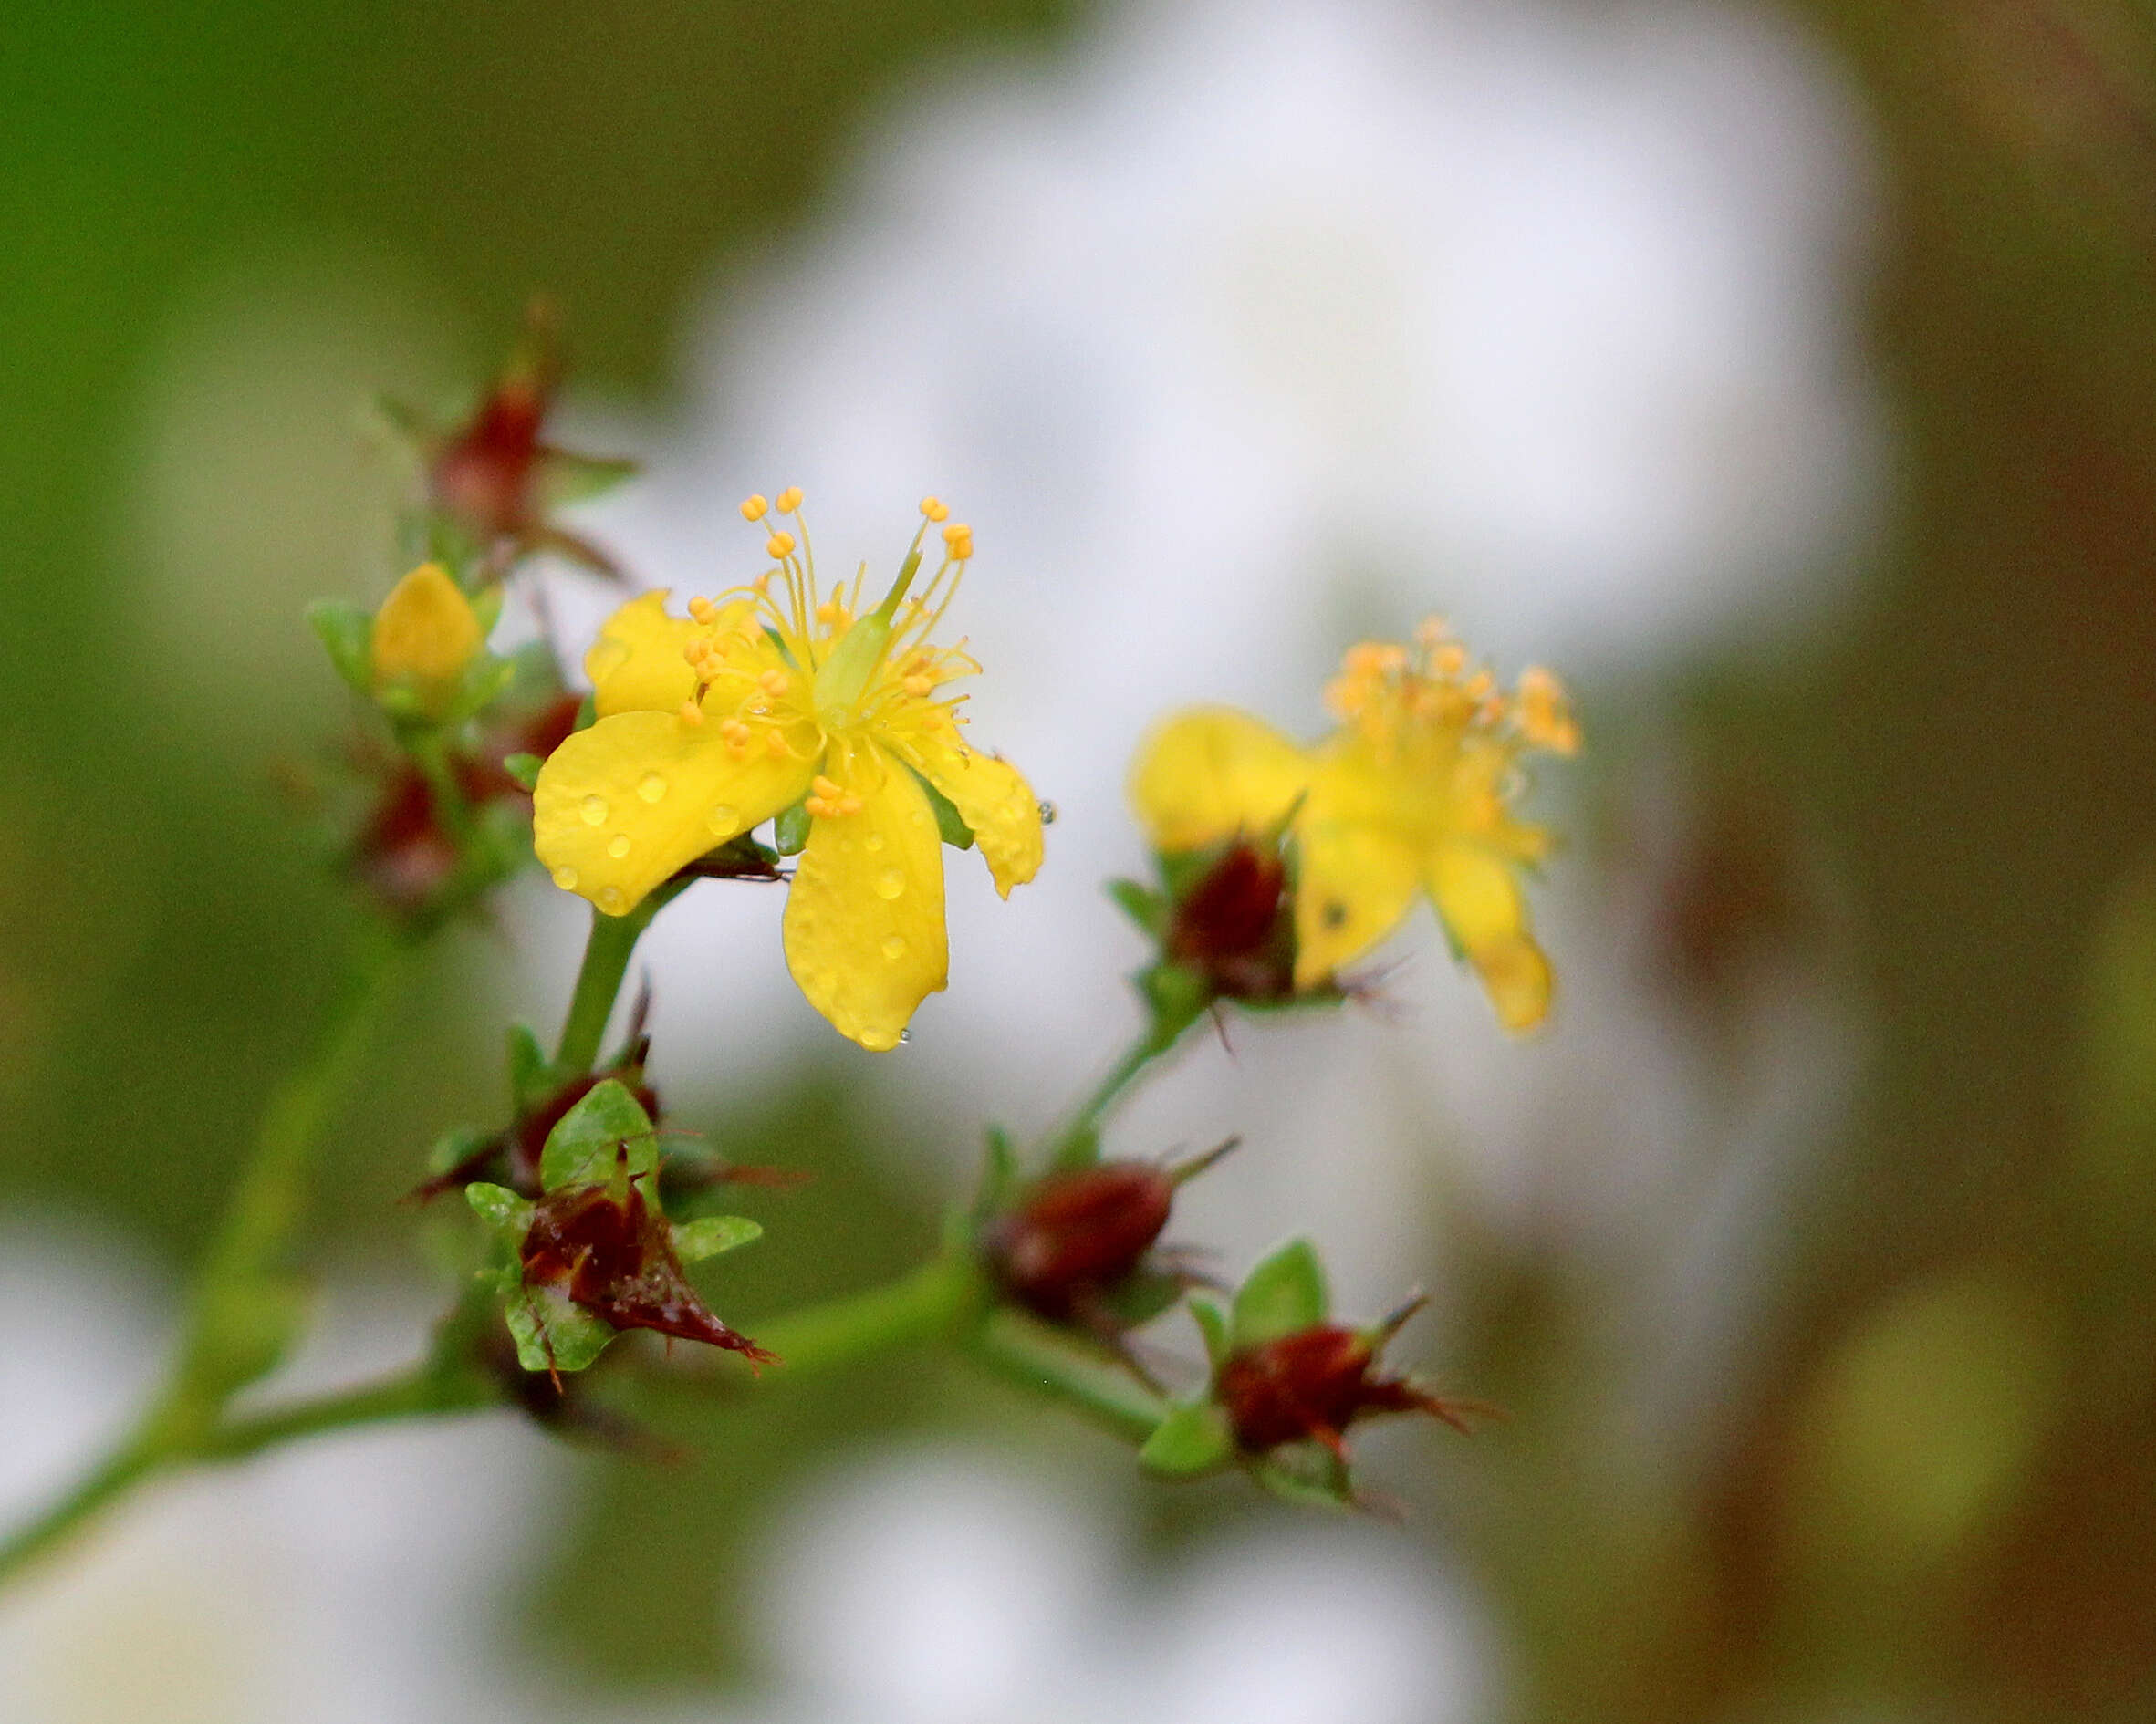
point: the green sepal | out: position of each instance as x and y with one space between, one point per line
564 478
951 826
531 1076
523 769
588 714
486 606
500 1208
1193 1439
790 830
999 1175
695 1240
346 634
1141 1296
1176 994
1142 905
1212 1327
487 678
1077 1151
1283 1296
1306 1475
554 1332
584 1148
452 1149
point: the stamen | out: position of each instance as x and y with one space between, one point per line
692 714
754 509
704 611
779 546
935 508
789 500
774 681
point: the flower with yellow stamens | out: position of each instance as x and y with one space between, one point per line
769 696
1411 794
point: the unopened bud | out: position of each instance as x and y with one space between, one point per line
1079 1235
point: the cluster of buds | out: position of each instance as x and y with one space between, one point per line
593 1254
1286 1384
446 811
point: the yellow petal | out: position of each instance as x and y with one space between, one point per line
1354 882
1478 894
636 664
864 921
425 633
1211 773
621 805
992 799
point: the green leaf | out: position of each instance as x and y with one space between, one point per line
499 1207
695 1240
1142 905
346 634
583 1149
523 769
789 830
564 478
453 1148
486 606
1283 1296
951 825
1213 1325
531 1076
553 1333
1191 1441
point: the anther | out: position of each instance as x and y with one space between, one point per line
779 546
691 714
703 610
754 509
789 499
774 681
828 789
935 508
920 687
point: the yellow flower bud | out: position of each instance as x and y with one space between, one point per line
425 635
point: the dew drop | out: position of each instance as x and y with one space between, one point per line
890 884
905 1036
895 947
565 878
611 900
723 819
618 847
595 811
1048 814
875 842
650 787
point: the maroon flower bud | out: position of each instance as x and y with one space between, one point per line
607 1249
495 476
1079 1235
1311 1386
1234 925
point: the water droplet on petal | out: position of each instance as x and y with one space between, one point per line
650 787
1048 814
875 842
895 947
611 900
905 1036
565 878
890 884
595 811
723 819
618 848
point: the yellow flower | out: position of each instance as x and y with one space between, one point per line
425 635
778 693
1412 793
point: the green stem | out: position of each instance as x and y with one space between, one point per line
1157 1039
607 951
241 1315
934 1302
429 748
1037 1358
409 1392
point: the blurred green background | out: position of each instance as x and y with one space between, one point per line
1944 1492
